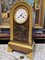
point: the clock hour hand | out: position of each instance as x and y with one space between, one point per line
22 15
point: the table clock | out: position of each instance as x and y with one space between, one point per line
21 28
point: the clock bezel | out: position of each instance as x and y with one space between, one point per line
21 7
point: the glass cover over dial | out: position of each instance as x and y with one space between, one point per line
21 16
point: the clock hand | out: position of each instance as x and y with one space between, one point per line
21 14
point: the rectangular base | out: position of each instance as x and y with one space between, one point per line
20 47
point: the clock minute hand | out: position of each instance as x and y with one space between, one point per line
22 15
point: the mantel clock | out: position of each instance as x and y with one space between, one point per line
21 28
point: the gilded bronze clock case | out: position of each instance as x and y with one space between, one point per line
18 43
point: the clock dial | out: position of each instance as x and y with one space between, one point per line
21 16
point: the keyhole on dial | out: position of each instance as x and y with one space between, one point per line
23 16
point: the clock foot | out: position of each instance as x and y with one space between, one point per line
30 55
9 49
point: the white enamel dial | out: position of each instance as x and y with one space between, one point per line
21 16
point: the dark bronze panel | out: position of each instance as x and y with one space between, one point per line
21 31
